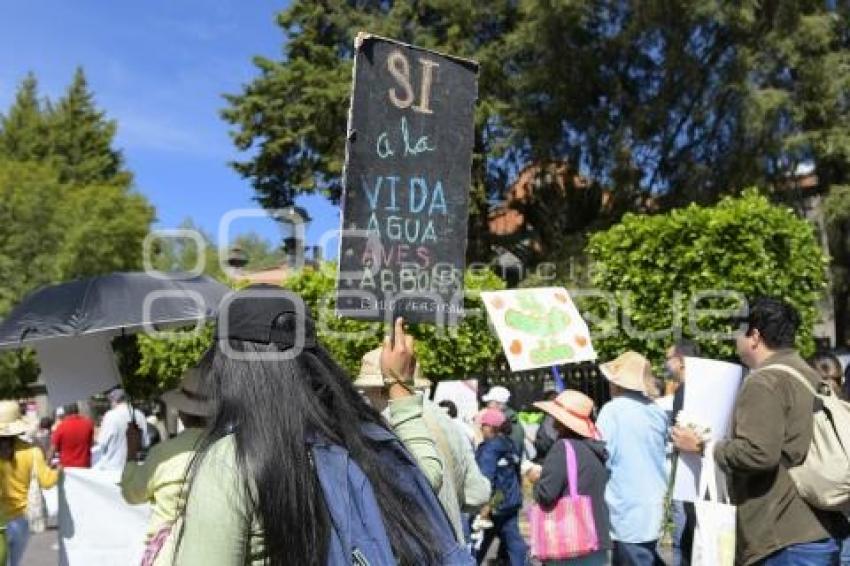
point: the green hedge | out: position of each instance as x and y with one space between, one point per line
649 264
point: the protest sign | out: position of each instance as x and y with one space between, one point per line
711 388
463 393
406 183
538 327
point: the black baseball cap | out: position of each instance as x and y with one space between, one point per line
266 314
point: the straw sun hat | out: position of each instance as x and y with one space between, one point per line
573 410
370 373
631 371
11 422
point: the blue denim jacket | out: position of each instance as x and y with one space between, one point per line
358 535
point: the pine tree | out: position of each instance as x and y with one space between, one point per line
23 128
67 209
81 138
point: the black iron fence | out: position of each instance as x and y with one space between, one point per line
526 387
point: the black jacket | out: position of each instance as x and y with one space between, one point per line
592 478
543 440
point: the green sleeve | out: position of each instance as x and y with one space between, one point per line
407 422
135 480
217 524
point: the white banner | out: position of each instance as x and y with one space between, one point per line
96 526
711 388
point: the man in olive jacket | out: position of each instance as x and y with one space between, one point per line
771 431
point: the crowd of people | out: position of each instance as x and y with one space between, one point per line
282 458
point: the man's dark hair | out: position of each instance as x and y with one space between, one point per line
549 395
776 321
72 409
686 348
450 407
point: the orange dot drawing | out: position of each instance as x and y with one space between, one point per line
581 341
497 303
516 347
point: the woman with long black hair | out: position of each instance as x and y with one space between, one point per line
295 467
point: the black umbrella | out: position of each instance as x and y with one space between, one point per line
115 303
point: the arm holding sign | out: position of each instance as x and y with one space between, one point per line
397 364
756 443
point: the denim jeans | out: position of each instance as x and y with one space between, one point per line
636 554
684 520
845 552
18 535
506 527
821 553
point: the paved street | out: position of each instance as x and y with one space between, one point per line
43 549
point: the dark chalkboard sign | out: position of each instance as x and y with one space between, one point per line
406 184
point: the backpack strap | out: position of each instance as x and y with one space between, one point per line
794 373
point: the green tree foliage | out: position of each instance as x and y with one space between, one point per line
32 227
292 117
181 253
67 207
23 132
52 232
836 208
163 360
72 134
652 264
698 98
81 138
441 355
685 101
261 253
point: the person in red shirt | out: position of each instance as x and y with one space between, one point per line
73 439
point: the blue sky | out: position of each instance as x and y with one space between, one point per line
159 67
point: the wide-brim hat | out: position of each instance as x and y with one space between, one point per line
573 410
188 398
631 371
370 372
11 422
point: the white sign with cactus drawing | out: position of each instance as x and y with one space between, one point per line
538 327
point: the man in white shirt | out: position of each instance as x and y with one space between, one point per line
112 437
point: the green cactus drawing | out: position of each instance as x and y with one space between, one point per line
532 317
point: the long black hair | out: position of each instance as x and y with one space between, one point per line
272 407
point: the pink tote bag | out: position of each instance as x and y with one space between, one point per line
568 529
